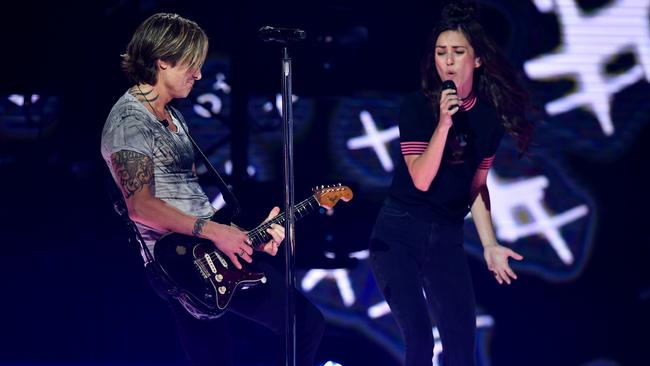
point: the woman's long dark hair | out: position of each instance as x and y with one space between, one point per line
494 80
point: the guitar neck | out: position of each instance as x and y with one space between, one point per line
259 236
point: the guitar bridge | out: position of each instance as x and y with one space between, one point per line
202 269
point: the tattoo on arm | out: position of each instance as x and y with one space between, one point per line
133 171
198 226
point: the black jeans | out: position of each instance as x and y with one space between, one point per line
408 255
207 342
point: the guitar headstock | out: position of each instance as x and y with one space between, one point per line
328 196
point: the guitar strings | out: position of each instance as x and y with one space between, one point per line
260 231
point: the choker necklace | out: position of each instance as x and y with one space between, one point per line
163 121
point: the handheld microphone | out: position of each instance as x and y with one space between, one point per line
281 35
449 84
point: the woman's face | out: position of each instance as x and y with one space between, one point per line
455 60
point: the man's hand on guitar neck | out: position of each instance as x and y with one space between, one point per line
277 234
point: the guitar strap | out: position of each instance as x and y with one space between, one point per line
225 190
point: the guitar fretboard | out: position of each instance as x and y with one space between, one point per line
259 236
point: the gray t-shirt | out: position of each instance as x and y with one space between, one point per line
130 126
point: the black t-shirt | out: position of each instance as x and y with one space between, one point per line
448 197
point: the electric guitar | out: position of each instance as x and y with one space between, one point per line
204 279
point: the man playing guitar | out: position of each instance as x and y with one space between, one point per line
146 146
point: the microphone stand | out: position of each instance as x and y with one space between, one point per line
289 252
284 36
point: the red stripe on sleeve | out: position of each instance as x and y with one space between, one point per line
413 147
486 163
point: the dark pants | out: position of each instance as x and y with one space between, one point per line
408 255
208 342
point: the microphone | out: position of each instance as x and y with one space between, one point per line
449 84
281 35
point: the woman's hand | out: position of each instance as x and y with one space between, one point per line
448 106
277 233
496 257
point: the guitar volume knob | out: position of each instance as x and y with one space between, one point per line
218 277
222 290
